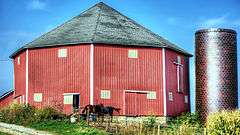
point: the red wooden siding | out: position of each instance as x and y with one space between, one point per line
114 71
137 104
177 106
5 101
20 75
53 76
130 103
128 79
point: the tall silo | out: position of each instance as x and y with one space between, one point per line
216 70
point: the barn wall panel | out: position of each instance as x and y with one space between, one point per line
20 74
53 76
177 106
114 71
5 101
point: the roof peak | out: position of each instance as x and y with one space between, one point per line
101 24
101 4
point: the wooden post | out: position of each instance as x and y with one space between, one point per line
158 129
140 128
87 117
154 130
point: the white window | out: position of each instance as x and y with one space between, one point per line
18 60
178 59
170 96
38 97
68 99
105 94
62 53
151 95
179 75
185 99
132 54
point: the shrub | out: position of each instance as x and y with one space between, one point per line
48 113
187 118
225 122
186 124
150 122
23 114
182 129
17 114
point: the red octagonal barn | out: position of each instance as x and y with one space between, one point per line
102 56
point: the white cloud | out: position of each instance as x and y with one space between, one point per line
215 21
220 21
36 5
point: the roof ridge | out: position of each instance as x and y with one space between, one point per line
146 29
134 22
151 32
115 16
97 22
62 24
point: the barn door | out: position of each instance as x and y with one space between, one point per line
141 103
130 102
135 103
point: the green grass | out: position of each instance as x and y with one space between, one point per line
66 128
2 133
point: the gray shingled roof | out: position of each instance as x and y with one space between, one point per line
101 24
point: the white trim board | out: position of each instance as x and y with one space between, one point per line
178 79
164 82
91 73
137 91
178 64
71 93
26 77
13 76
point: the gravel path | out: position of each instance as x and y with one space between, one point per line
20 130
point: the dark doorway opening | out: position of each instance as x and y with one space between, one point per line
76 101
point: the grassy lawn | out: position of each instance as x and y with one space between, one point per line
227 122
2 133
66 128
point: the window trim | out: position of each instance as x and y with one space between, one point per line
65 99
179 59
186 99
105 94
18 60
69 94
131 52
179 74
170 94
62 53
35 98
149 95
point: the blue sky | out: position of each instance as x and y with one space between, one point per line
22 21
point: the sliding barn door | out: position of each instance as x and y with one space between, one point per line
135 103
